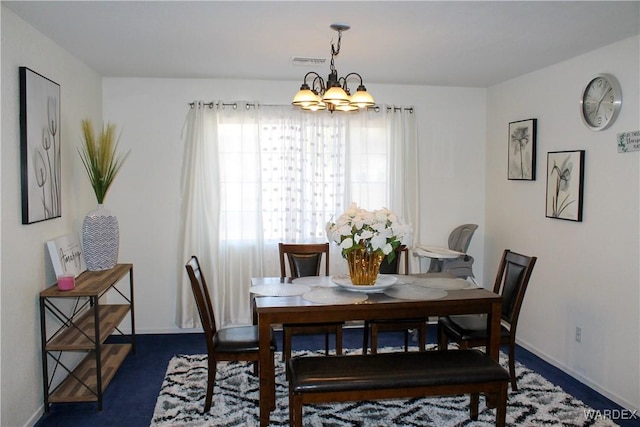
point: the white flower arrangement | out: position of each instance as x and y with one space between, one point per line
379 231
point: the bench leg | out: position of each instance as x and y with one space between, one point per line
295 410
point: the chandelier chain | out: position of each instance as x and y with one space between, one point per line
335 51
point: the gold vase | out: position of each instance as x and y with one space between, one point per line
364 267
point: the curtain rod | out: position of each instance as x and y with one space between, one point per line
248 105
234 105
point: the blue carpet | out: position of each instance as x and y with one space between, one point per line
130 398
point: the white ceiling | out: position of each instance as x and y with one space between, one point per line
449 43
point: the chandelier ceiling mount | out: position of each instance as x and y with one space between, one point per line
334 94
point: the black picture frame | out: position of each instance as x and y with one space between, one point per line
40 151
521 157
565 184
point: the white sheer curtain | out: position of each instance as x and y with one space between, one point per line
302 172
255 176
386 132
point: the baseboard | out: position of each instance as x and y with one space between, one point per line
584 380
35 417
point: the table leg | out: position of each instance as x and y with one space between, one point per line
267 372
493 343
494 331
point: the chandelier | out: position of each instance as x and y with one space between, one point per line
334 94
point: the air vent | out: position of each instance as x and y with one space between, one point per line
307 61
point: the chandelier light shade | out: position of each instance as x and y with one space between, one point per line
305 97
316 95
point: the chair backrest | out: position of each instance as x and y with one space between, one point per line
394 266
304 259
512 280
460 237
201 295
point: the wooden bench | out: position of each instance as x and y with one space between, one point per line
396 375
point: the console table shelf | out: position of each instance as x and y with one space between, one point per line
81 385
80 335
77 332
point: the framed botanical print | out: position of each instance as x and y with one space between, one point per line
522 150
565 176
39 147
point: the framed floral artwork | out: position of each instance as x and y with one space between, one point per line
565 176
39 147
522 150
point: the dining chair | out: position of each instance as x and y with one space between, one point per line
226 344
511 283
305 259
459 240
371 328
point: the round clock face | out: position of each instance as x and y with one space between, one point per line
601 101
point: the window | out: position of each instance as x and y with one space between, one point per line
292 173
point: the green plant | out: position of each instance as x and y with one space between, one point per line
99 157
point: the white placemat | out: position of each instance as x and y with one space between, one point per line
314 281
323 295
442 283
404 278
415 292
279 289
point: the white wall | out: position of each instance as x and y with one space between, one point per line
587 273
145 196
25 270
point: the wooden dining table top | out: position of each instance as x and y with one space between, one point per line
296 309
373 307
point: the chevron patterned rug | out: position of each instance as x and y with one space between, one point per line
235 402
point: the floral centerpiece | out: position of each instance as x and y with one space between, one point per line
366 237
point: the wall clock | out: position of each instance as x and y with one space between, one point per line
600 102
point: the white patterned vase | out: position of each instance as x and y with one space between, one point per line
100 239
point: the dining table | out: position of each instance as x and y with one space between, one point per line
317 299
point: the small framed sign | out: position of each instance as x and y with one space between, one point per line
66 255
628 141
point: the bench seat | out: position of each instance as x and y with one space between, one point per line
396 375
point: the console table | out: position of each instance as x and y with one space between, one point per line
85 329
